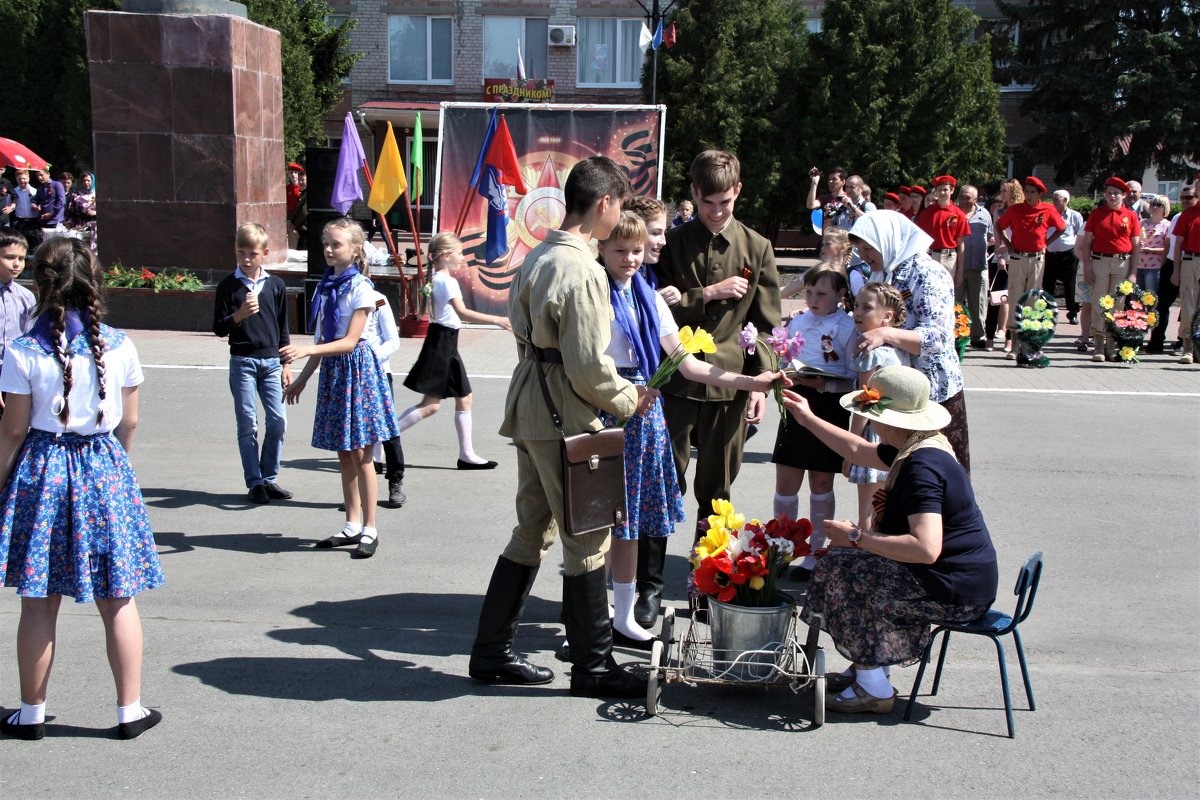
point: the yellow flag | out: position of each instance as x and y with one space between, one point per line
389 176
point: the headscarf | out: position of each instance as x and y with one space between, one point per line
642 338
895 237
325 297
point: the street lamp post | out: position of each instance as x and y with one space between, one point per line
655 15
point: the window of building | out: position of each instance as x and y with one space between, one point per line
608 52
420 49
500 37
1170 189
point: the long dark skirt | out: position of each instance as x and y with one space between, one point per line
956 431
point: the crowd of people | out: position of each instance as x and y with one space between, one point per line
37 205
591 331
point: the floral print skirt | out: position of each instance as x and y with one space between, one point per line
74 522
654 504
874 609
354 402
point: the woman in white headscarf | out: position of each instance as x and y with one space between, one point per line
897 252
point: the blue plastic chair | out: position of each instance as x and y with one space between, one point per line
993 625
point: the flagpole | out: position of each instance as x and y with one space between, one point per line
387 234
470 193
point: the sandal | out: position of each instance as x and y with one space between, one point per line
837 682
861 703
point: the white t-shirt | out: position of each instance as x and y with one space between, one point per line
828 341
30 370
445 289
359 295
621 350
380 331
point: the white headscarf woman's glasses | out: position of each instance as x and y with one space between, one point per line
895 237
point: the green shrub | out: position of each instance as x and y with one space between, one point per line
122 277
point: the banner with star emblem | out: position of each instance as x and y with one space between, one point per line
548 140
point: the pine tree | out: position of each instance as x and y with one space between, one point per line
723 88
902 91
1116 87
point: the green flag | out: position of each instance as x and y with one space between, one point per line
417 156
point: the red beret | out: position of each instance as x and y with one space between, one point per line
296 167
918 190
1032 181
895 198
905 190
1117 184
940 179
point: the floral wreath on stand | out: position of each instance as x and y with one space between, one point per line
1193 335
962 330
1127 326
1037 312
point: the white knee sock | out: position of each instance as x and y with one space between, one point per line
29 714
409 418
131 713
820 508
787 504
377 452
462 424
624 595
873 682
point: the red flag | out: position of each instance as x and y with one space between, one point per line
503 156
669 36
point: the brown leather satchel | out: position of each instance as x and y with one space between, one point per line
593 466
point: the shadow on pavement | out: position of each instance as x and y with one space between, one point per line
371 631
186 498
170 542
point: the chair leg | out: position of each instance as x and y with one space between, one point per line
1024 669
912 698
1004 684
937 676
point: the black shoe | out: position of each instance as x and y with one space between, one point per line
563 653
132 730
1153 349
594 673
258 494
652 555
30 733
468 465
621 640
365 549
337 540
492 656
277 492
396 496
979 344
378 467
1072 318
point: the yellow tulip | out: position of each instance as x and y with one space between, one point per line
698 341
725 516
715 541
757 583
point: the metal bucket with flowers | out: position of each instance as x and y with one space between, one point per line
1037 315
1129 312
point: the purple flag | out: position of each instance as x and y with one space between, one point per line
346 188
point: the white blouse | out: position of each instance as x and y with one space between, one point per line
360 295
622 351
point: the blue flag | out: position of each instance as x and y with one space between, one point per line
656 42
497 222
488 135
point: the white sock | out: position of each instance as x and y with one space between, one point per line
409 418
624 595
351 529
873 682
820 508
369 535
131 713
787 504
29 714
462 424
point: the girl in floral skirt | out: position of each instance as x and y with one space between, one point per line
73 522
354 403
642 330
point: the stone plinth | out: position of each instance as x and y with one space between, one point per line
187 121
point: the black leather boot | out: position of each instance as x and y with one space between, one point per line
492 656
594 673
652 558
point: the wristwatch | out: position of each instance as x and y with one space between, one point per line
854 535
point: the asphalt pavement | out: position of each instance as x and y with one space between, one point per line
286 672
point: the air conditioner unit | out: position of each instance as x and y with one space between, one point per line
561 36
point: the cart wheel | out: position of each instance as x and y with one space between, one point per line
668 632
819 689
655 681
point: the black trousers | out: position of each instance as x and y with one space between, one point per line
31 228
393 452
1168 293
1062 267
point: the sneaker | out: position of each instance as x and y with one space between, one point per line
396 495
1098 358
1186 358
258 494
277 492
1010 355
979 344
1072 318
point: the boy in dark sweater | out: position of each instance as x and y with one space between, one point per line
251 309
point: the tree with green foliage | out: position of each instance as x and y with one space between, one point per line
902 91
315 59
724 87
1115 83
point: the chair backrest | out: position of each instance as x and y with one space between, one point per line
1026 589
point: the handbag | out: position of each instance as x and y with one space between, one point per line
997 297
593 469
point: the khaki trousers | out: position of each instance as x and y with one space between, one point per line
718 430
539 513
1024 275
947 260
975 297
1107 272
1189 293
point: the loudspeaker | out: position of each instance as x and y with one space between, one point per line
321 166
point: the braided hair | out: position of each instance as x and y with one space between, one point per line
68 279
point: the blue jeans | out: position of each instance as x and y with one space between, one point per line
264 377
1148 279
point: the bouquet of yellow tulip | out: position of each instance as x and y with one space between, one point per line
690 343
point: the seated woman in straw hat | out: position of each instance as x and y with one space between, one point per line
930 558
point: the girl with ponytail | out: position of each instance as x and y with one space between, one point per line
72 520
